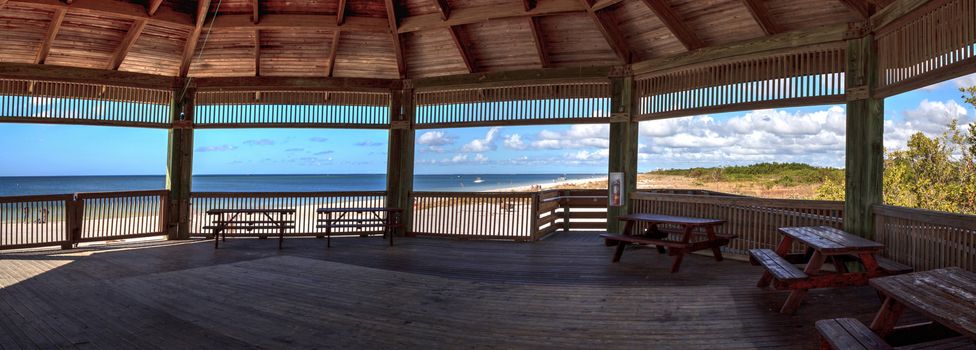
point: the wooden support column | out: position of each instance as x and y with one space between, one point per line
399 166
623 145
865 130
179 166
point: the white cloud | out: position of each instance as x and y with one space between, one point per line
929 118
435 138
514 141
578 136
220 148
482 145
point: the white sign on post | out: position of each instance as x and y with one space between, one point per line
616 184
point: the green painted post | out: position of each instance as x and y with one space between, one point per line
623 145
865 131
179 166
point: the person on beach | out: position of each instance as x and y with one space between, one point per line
43 219
26 214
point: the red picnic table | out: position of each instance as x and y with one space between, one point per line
653 235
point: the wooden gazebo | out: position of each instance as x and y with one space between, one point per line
409 65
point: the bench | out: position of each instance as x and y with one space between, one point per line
385 220
235 219
782 271
851 334
677 248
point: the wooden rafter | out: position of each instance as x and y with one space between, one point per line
203 7
477 14
605 22
862 8
540 43
256 14
528 5
130 40
666 14
257 52
341 12
760 13
153 6
391 16
3 2
443 8
333 53
52 33
602 4
461 49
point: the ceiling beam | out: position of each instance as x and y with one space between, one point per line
528 5
391 16
127 43
602 4
333 53
469 15
861 8
611 32
116 9
257 52
462 50
666 14
341 12
30 71
203 7
153 6
540 43
760 13
443 8
52 33
256 14
3 2
299 21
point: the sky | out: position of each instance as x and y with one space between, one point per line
813 135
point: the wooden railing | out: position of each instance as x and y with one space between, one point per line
475 215
572 210
66 219
926 239
754 220
304 203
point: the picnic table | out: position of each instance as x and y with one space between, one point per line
385 219
249 220
944 296
653 235
823 243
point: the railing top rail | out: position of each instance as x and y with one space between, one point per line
743 201
113 194
475 194
961 221
284 194
36 198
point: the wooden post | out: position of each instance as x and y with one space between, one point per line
179 165
74 216
623 145
865 129
399 166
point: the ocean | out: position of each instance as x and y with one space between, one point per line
34 185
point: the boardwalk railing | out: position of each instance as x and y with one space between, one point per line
754 220
66 219
475 215
926 239
304 203
572 210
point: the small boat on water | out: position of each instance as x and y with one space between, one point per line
478 180
561 178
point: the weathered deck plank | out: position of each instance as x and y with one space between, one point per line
558 293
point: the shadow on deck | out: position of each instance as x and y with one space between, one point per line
561 292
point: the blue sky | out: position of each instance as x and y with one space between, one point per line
809 134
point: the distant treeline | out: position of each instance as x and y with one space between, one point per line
782 174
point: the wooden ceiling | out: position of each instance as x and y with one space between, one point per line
388 39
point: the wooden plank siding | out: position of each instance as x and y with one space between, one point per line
30 101
926 239
241 109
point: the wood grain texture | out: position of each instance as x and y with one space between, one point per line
663 10
127 43
52 32
759 12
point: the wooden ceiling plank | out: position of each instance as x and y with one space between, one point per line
528 5
153 6
443 8
461 49
540 43
602 4
302 21
862 8
127 43
341 12
611 32
675 24
391 16
469 15
52 32
3 2
760 13
203 6
116 9
333 53
257 52
256 15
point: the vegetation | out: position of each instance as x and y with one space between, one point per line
769 174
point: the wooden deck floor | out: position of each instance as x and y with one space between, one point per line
562 292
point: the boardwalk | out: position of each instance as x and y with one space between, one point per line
562 292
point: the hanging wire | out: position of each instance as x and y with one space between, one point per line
202 47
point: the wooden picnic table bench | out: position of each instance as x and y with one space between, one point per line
387 220
659 238
239 219
947 297
823 243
